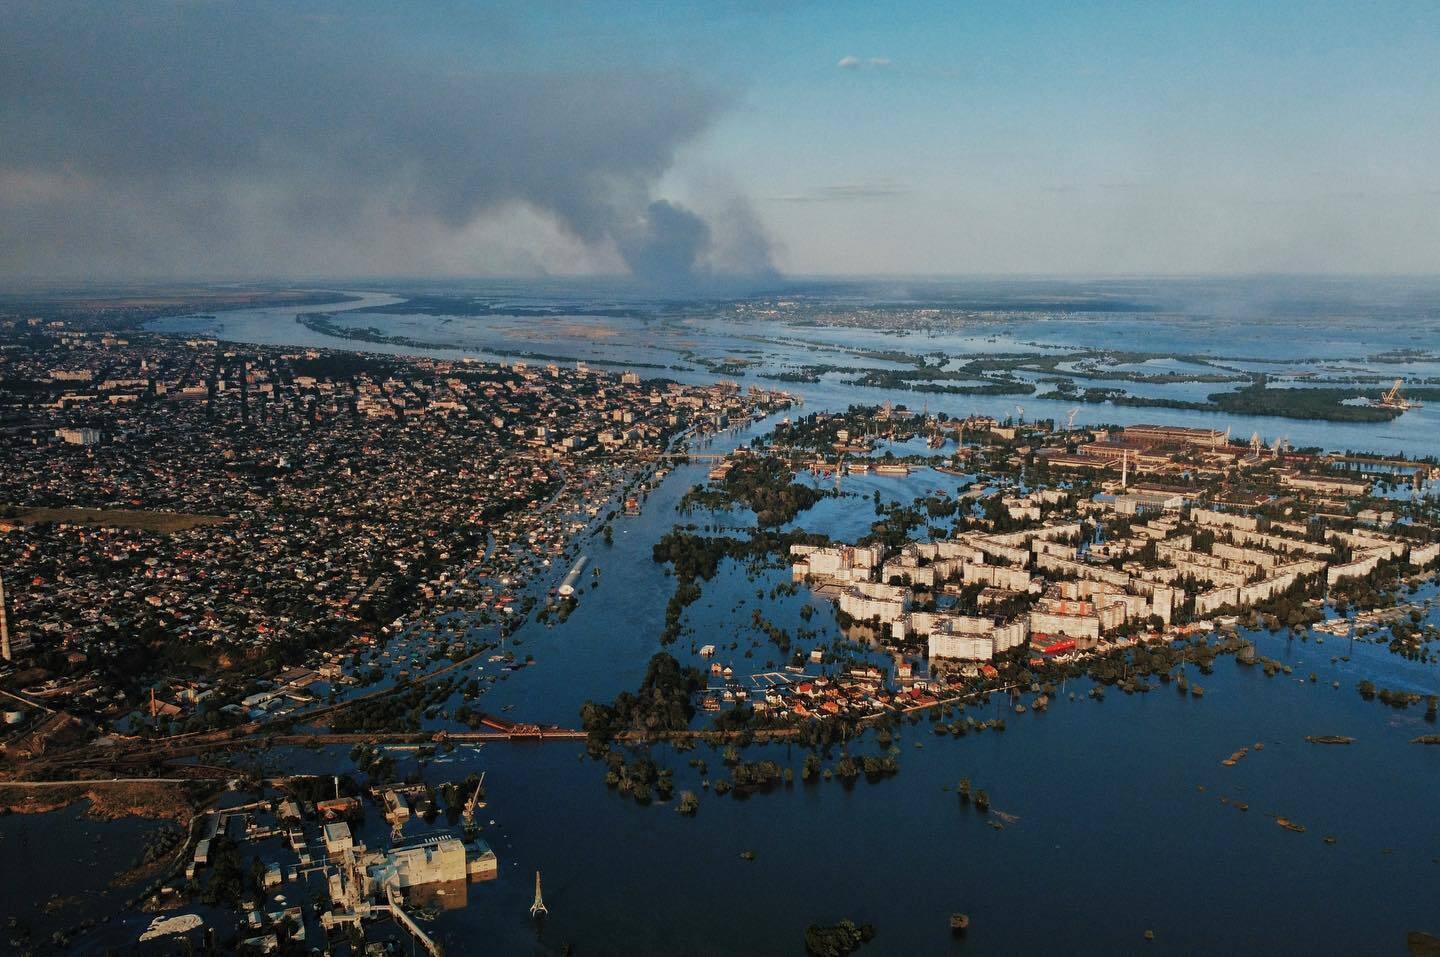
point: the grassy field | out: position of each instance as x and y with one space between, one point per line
110 518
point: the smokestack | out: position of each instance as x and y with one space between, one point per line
5 651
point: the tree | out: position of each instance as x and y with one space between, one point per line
836 940
811 767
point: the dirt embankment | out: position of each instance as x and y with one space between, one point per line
108 802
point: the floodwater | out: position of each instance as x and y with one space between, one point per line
1119 824
1338 339
66 861
1115 823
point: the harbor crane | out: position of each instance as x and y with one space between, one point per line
1070 419
538 908
475 802
1394 399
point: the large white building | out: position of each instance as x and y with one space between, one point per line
866 600
850 563
975 639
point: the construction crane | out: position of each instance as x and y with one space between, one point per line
475 802
1393 399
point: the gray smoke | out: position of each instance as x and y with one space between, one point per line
666 244
217 139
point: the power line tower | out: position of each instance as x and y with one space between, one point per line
538 908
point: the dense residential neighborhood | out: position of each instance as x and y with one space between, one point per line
184 523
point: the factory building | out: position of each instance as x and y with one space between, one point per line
437 861
338 839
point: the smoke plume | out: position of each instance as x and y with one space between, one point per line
216 139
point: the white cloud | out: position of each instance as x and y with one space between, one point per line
863 63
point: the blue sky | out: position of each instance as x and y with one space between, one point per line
920 138
1062 137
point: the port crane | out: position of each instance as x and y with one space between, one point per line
475 803
1394 399
1070 420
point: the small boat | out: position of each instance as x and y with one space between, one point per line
959 923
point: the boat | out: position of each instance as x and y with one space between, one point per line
959 923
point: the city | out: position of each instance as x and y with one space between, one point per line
770 479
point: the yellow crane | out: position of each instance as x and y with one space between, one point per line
1394 399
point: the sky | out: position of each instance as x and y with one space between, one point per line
695 145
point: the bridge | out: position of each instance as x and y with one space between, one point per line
497 730
1425 468
150 753
696 456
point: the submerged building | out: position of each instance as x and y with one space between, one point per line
436 861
